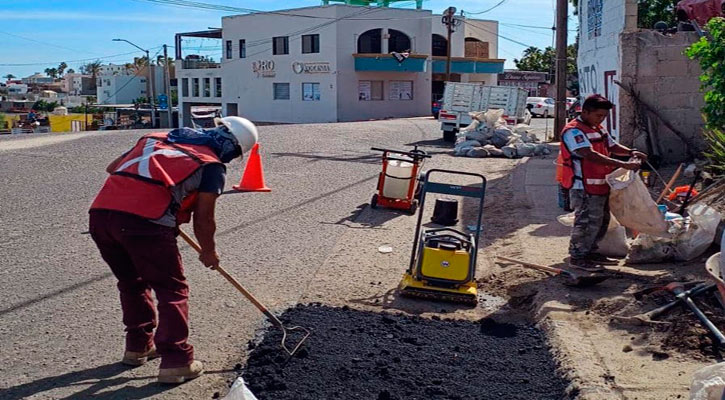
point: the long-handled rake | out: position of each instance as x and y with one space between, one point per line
272 318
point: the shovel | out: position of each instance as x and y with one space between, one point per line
571 278
272 318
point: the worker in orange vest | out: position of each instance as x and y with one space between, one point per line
164 180
586 148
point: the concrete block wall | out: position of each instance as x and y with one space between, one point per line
656 67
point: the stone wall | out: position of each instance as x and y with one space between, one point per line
655 66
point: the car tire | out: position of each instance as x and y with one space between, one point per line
450 136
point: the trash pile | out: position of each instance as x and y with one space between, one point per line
489 136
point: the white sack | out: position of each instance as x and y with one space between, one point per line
239 391
509 151
493 151
632 205
708 383
650 249
525 149
700 233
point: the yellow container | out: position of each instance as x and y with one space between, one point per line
451 265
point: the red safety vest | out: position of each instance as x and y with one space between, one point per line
593 173
142 182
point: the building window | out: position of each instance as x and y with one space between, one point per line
475 48
439 46
242 48
195 87
311 92
310 44
401 90
370 42
184 87
229 49
217 87
207 87
398 41
280 45
370 90
281 91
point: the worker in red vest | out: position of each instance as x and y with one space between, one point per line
586 148
152 188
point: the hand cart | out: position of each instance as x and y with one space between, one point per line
398 182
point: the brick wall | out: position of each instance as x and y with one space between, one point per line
654 64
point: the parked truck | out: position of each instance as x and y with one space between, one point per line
460 99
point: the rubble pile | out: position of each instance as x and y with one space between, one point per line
489 136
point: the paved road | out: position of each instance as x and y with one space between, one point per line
60 330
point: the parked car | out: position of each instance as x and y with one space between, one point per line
540 106
700 11
436 106
575 109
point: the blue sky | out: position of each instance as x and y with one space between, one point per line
47 32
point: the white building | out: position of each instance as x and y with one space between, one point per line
36 79
114 69
121 87
338 66
17 88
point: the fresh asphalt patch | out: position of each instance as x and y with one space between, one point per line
364 355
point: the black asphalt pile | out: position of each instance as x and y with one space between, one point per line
363 355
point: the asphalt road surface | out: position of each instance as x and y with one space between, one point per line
60 324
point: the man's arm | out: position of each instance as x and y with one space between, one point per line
205 227
588 154
620 150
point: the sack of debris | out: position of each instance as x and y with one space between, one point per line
691 238
613 244
699 233
631 203
501 136
239 391
708 383
464 147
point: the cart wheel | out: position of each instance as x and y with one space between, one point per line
413 207
374 201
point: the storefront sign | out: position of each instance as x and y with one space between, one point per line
523 76
311 67
264 69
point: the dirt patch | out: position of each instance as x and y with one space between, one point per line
364 355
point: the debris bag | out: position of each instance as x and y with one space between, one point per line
525 149
501 136
632 205
462 148
542 149
650 249
613 244
492 118
239 391
521 129
698 234
479 152
493 151
708 383
509 151
479 135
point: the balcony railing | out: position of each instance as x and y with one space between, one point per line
200 64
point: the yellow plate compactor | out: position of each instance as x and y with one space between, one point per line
443 261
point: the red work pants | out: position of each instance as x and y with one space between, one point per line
144 256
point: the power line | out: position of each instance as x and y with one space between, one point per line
41 42
72 61
136 75
497 34
500 3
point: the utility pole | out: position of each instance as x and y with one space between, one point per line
149 80
449 21
561 63
167 86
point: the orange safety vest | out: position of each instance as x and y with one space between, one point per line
593 173
142 182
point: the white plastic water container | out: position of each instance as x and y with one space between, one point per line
397 188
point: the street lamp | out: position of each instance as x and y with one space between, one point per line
150 80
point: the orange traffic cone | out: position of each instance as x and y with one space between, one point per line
253 177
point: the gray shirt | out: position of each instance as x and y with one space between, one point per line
208 179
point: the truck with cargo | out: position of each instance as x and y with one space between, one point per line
460 99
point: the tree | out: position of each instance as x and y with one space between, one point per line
534 59
650 12
71 71
51 72
9 76
92 68
61 68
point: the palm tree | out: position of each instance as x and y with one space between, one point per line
61 68
9 76
92 68
51 72
71 71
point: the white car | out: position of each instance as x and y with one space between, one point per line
540 106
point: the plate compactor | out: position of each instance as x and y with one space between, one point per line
443 260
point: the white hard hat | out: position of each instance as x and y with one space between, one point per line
243 130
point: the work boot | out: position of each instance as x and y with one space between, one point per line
136 358
585 264
602 259
181 374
